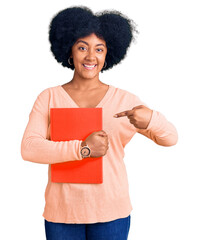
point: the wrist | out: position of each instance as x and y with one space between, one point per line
85 151
83 143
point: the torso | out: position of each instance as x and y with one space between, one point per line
88 98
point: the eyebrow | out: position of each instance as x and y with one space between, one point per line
100 44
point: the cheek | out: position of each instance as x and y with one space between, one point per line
102 58
77 59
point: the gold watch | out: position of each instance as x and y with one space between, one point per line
85 151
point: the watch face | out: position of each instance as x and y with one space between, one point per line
85 151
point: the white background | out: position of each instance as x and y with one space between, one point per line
161 68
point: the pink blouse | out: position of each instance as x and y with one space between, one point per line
89 203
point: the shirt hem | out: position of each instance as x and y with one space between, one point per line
108 219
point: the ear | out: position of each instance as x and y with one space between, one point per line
71 55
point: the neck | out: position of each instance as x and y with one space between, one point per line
82 84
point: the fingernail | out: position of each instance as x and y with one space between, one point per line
115 115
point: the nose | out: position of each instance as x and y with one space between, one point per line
90 55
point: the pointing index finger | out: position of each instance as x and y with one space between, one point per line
121 114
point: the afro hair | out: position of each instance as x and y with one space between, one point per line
73 23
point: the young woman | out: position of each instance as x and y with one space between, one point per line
89 44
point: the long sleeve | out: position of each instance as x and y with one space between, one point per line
160 130
99 202
35 146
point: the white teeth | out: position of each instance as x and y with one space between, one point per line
89 66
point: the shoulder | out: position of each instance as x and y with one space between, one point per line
130 97
44 97
47 92
125 93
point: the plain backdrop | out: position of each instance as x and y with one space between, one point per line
161 68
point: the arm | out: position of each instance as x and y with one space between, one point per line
150 123
35 146
160 130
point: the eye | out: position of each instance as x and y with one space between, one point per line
82 48
99 50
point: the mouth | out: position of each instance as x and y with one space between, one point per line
89 66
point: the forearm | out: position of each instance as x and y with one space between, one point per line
160 130
38 150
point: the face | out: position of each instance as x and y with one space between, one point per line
88 55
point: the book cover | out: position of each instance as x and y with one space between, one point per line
76 124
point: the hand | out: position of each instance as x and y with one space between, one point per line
98 143
139 116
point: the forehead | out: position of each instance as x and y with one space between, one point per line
91 39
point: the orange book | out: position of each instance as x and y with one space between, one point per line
76 124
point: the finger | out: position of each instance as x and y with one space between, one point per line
102 134
122 114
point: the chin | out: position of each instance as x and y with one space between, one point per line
89 75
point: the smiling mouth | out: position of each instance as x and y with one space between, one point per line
89 67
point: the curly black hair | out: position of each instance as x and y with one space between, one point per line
73 23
